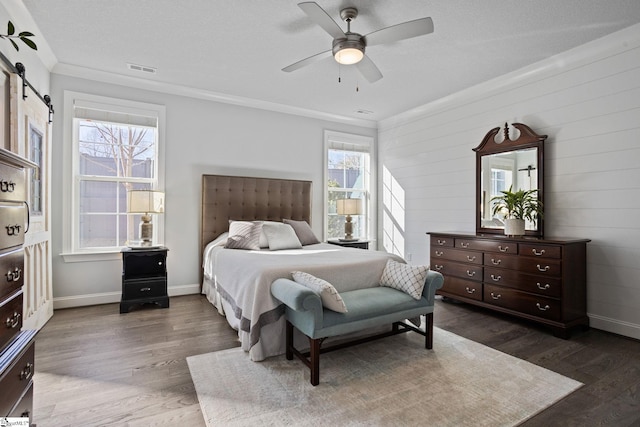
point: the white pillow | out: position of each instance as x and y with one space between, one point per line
404 277
330 297
281 236
244 235
264 242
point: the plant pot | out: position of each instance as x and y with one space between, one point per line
514 227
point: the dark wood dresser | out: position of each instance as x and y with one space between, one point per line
17 352
543 280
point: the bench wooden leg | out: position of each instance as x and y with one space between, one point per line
428 344
289 341
314 359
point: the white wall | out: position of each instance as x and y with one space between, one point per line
588 102
202 137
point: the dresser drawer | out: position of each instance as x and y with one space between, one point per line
547 308
145 288
546 286
12 183
10 318
458 255
465 271
442 241
12 224
16 379
462 287
12 270
487 245
24 408
540 250
544 267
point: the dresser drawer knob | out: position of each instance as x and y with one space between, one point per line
470 291
438 267
7 186
496 278
536 253
464 244
13 230
501 249
13 321
441 242
471 273
27 372
495 296
545 268
439 253
495 262
14 276
145 289
541 308
471 258
543 288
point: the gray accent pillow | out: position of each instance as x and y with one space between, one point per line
281 236
404 277
303 231
244 235
330 297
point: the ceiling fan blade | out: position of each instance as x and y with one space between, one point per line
322 18
307 61
394 33
369 70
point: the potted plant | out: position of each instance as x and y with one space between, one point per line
516 207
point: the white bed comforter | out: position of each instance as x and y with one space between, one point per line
242 279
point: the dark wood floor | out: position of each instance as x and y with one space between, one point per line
95 366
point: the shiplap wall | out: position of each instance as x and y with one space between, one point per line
587 101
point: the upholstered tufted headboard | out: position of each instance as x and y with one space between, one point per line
247 198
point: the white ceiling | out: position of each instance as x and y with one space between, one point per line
238 48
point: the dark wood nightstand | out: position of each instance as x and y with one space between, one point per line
144 277
360 244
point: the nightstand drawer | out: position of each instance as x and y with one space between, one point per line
136 289
144 264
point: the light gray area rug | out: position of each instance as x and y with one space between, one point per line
394 381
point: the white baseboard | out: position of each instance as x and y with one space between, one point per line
113 297
630 330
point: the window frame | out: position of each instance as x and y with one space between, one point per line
71 179
352 142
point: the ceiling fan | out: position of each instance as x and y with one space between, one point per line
348 47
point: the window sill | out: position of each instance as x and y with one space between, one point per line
110 255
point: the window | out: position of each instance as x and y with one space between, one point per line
115 147
348 175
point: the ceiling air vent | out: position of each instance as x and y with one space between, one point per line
142 68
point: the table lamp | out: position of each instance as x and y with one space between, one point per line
348 207
145 202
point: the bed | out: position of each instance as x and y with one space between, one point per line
238 282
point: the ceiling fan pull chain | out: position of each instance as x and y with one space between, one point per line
339 73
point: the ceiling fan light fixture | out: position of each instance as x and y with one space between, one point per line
349 50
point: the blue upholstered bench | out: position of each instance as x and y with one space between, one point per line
367 308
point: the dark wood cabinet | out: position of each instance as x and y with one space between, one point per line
144 277
543 280
360 244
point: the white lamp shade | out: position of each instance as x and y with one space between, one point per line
145 201
349 206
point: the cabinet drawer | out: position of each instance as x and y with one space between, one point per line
462 287
458 255
540 251
147 264
24 408
546 286
12 183
11 268
135 289
487 245
10 318
442 241
464 271
16 380
12 224
543 267
513 299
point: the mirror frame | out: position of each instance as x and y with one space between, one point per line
527 139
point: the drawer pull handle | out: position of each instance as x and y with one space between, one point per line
494 262
470 291
13 321
543 288
439 253
464 244
545 268
441 242
501 249
541 308
14 276
471 273
438 267
471 258
496 278
145 289
495 296
536 253
27 372
7 186
13 230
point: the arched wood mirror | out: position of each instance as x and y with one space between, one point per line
502 163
